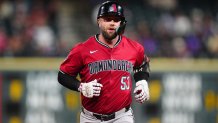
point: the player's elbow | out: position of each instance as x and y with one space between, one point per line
60 78
68 81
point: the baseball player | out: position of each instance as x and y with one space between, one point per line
107 63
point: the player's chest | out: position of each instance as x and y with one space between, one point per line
101 54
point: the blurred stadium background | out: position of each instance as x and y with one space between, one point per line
180 37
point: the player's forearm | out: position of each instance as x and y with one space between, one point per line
68 81
142 73
141 76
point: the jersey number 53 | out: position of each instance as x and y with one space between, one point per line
124 83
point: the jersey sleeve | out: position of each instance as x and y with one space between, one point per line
73 63
141 57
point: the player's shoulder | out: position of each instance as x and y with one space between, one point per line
89 41
76 47
83 45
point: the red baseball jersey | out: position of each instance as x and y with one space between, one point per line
113 67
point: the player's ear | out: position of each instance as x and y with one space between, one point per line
98 22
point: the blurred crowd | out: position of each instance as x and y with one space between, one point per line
28 28
165 29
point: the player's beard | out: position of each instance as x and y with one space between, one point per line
109 37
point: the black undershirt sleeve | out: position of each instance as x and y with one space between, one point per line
141 76
68 81
142 73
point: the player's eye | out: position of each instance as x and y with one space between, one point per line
108 19
117 19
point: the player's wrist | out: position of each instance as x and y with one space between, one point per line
144 83
80 87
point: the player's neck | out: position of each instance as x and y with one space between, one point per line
110 43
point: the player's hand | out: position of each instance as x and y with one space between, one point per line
90 89
141 91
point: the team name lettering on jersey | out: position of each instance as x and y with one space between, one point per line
107 65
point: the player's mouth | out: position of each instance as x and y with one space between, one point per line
111 30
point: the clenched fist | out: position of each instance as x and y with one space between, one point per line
90 89
141 91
